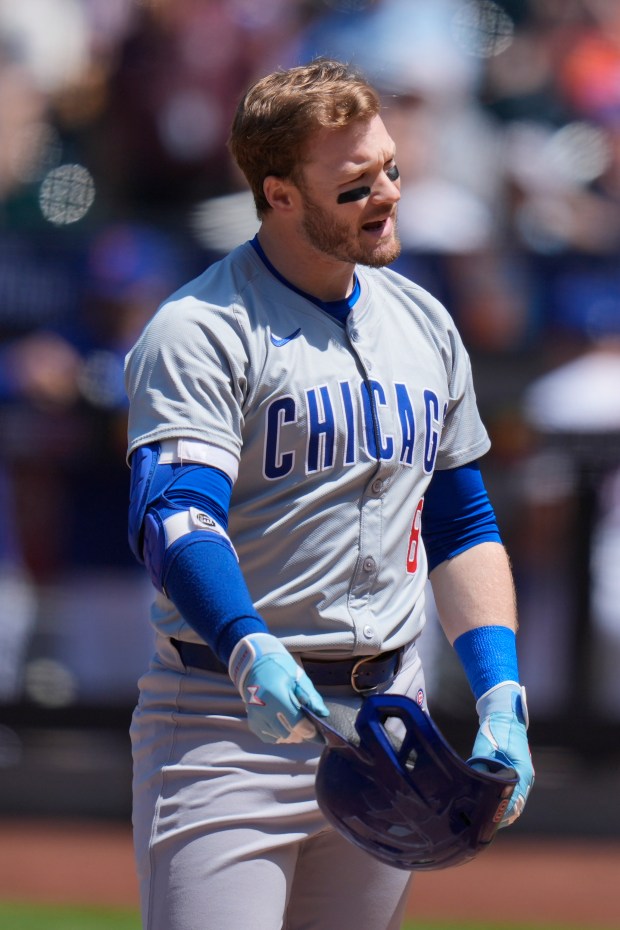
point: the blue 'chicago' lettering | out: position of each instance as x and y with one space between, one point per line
349 419
321 433
407 423
433 430
331 425
278 464
372 401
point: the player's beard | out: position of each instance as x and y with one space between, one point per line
336 239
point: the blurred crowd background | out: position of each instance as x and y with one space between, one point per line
116 186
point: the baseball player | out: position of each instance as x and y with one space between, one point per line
303 442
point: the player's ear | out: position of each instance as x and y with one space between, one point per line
280 193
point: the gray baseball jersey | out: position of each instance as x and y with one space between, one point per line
330 434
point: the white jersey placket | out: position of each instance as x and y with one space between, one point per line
368 637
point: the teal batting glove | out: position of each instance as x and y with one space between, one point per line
273 687
502 736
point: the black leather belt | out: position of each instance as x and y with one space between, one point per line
363 674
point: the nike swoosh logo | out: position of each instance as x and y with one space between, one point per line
282 342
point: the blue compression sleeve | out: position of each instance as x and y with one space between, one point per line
202 576
457 514
205 583
489 656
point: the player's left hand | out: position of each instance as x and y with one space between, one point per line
503 736
273 687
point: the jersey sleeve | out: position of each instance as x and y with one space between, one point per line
464 437
186 377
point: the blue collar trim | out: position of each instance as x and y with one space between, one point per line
338 309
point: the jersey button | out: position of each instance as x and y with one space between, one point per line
368 632
369 564
377 486
353 335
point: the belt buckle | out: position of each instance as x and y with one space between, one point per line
364 660
355 672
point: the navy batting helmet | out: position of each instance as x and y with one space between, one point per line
409 801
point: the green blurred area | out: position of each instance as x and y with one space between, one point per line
48 917
37 917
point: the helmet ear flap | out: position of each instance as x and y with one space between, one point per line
334 738
402 794
348 721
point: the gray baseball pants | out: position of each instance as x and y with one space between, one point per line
227 831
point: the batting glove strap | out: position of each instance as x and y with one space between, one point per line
503 737
508 698
273 687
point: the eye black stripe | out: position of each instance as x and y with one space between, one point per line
358 193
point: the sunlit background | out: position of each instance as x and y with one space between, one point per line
116 186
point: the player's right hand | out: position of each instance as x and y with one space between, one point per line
273 687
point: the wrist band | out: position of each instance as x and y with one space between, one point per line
489 657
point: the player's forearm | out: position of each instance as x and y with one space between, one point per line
475 589
475 599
